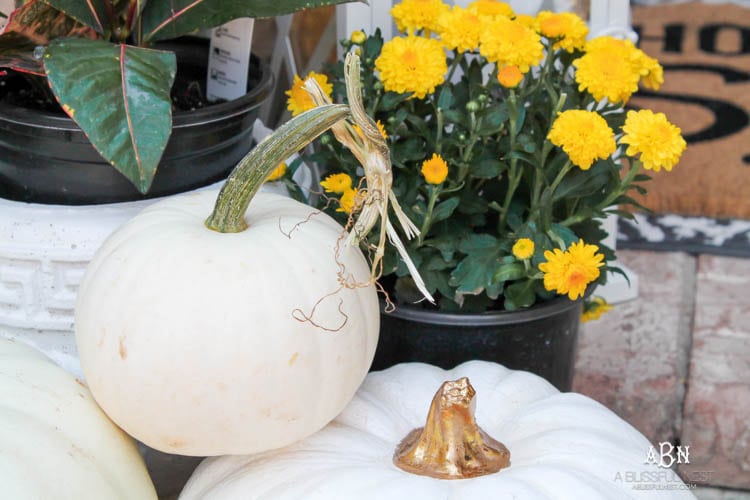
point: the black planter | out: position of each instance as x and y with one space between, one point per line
541 339
46 158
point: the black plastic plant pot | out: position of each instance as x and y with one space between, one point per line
541 339
46 157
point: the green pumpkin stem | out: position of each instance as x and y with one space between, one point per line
251 172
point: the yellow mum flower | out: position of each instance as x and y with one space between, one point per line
595 309
381 128
277 173
583 135
348 200
651 135
508 42
460 29
412 64
568 29
298 101
609 69
568 273
435 170
509 76
358 37
337 183
523 249
414 15
652 74
489 9
527 20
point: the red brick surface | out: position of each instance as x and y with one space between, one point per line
634 359
717 403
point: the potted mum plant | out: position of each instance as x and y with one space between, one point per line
110 65
509 143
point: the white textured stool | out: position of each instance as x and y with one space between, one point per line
44 250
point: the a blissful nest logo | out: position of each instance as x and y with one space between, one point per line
664 457
668 455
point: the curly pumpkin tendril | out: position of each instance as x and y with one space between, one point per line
372 152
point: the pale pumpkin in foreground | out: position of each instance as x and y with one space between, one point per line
55 442
560 446
232 335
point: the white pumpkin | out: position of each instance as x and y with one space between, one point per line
200 342
55 442
562 446
193 341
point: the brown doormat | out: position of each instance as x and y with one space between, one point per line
705 51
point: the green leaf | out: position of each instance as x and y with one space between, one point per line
31 26
390 100
520 294
119 96
444 209
509 272
493 119
583 182
563 234
91 13
446 98
475 272
170 19
488 168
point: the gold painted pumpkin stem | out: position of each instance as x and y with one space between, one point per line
451 445
251 172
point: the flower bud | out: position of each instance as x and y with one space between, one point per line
472 106
358 37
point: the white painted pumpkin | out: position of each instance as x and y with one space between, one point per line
193 340
55 442
562 446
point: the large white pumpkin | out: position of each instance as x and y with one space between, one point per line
55 442
562 446
196 342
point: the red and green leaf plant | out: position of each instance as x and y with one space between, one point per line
99 61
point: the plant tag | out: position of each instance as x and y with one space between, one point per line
229 60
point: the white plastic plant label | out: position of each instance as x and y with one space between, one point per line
229 60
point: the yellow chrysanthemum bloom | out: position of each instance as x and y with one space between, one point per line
583 135
412 64
337 183
348 200
460 29
509 76
277 173
358 37
527 20
609 69
523 249
414 15
651 135
381 128
652 74
569 29
490 9
568 273
595 309
508 42
435 170
298 101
